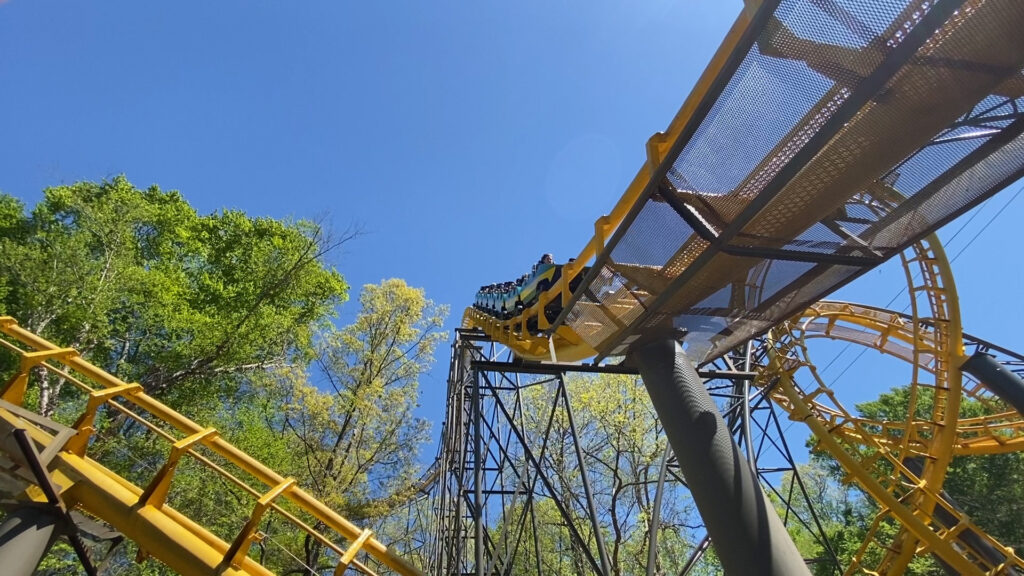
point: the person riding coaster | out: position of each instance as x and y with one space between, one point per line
508 299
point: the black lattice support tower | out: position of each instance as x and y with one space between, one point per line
493 470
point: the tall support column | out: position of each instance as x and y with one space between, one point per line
26 534
745 530
478 479
748 438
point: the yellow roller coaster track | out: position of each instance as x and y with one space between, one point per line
850 179
564 342
901 464
141 512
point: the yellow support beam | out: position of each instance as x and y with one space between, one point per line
141 515
84 424
350 554
155 493
14 390
240 547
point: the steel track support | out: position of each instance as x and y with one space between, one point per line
745 530
478 481
606 567
748 439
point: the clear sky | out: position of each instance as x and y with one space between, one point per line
466 138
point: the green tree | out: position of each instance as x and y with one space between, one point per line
843 512
977 484
987 487
155 293
343 426
203 310
356 432
623 445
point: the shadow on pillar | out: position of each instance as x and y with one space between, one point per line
26 534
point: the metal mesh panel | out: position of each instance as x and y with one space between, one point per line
801 289
819 281
904 119
782 92
769 279
654 238
958 62
685 256
859 222
901 141
609 304
960 138
658 241
722 273
928 164
997 169
709 337
763 283
721 301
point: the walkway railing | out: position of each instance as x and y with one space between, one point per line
141 512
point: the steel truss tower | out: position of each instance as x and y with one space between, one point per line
503 469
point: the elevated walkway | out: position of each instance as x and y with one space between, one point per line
822 139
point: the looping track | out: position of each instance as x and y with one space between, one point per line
891 333
902 464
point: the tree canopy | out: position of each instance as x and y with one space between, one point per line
158 294
355 431
985 487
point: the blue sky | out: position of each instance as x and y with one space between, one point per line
465 138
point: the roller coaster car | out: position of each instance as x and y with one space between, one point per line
507 300
543 277
511 298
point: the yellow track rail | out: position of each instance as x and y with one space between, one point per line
565 343
141 512
726 278
878 455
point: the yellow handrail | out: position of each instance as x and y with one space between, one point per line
140 514
569 345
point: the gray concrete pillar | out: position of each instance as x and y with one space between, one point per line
745 530
26 535
998 378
